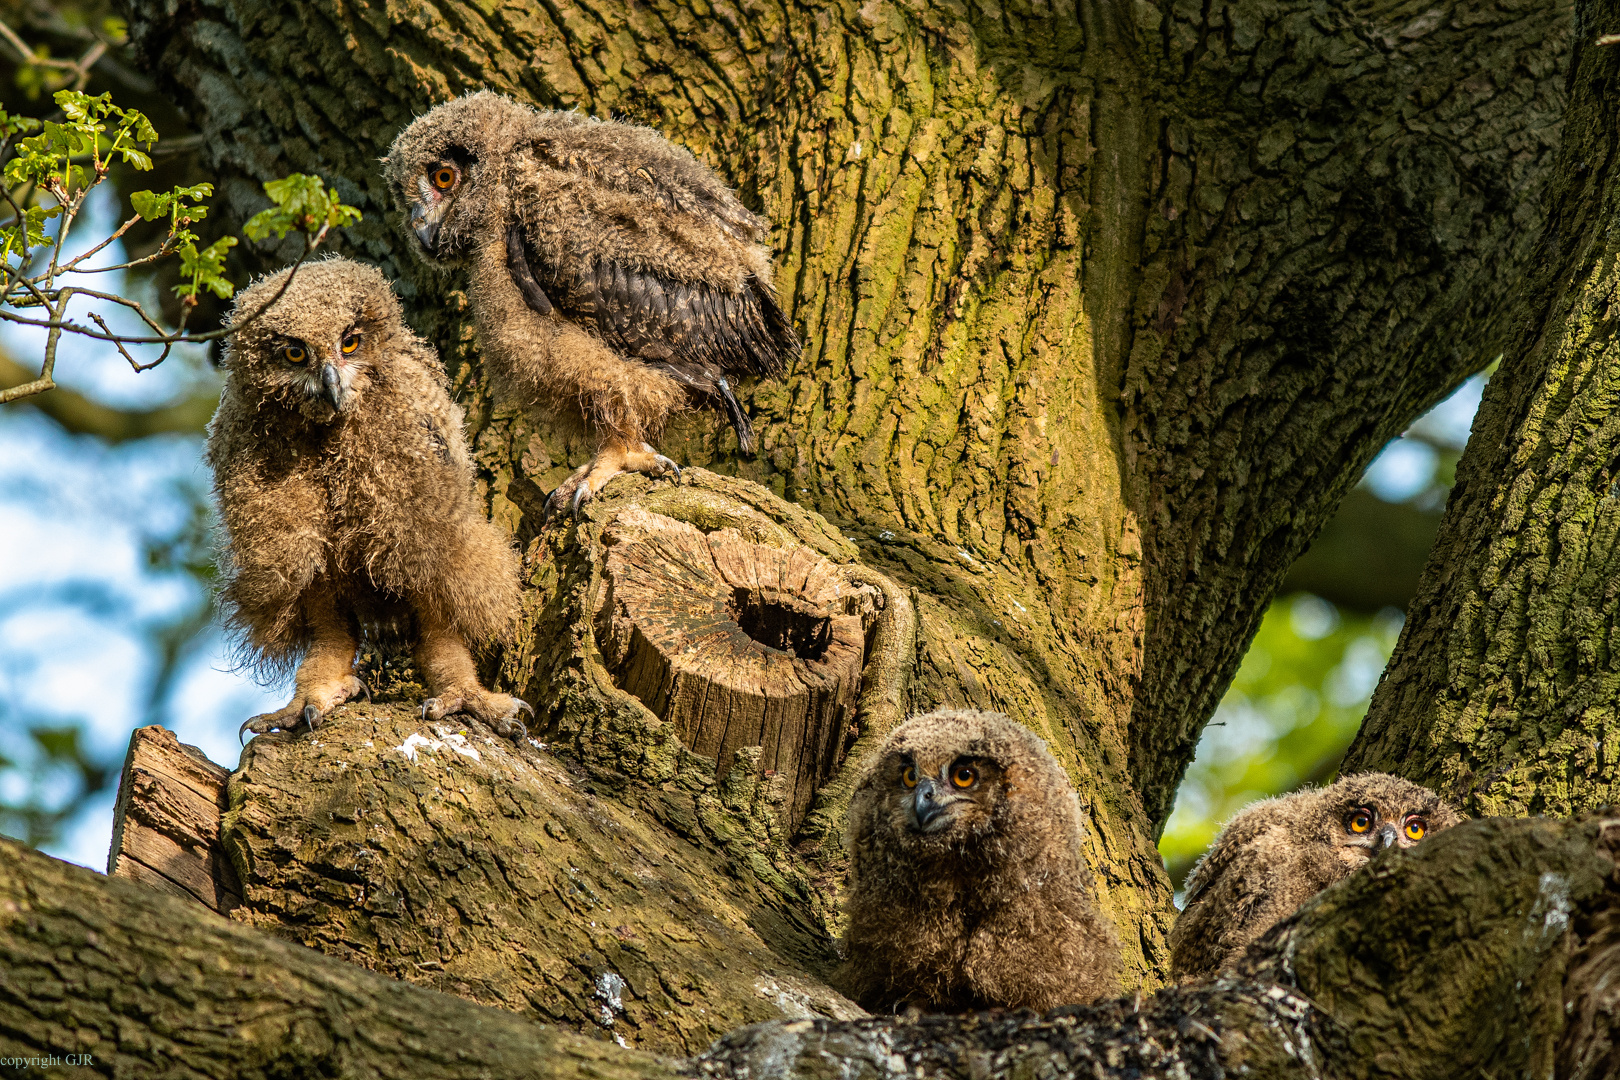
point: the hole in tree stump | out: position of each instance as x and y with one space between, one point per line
784 626
737 644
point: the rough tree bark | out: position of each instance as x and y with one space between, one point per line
1504 690
1106 306
148 985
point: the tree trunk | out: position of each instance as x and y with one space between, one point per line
146 984
1504 689
1105 308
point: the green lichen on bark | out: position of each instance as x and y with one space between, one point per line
1504 690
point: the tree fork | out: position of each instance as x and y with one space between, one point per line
1105 305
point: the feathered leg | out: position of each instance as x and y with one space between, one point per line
326 678
615 457
446 665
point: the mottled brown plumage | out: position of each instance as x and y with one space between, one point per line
971 895
615 279
1278 853
347 499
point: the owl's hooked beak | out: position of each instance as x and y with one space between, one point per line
1386 835
425 227
332 385
927 806
427 211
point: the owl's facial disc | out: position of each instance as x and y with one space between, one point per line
1364 829
934 803
331 378
436 192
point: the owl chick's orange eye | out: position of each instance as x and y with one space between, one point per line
1359 821
351 342
964 776
1415 828
909 777
442 177
294 354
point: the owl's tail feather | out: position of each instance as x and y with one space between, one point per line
739 419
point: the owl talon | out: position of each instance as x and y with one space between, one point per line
312 717
483 707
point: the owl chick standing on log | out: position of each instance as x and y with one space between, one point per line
1278 853
347 499
968 888
615 279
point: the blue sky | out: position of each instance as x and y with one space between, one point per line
75 584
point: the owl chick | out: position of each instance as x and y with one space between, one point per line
614 278
1278 853
347 499
967 885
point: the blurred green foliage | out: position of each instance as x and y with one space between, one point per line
50 778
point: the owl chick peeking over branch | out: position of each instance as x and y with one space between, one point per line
1278 853
614 278
346 494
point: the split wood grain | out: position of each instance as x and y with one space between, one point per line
166 824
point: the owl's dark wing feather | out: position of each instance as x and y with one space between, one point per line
702 336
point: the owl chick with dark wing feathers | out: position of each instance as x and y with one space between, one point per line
1278 853
968 888
614 278
347 499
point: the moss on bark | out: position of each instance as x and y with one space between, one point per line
1504 690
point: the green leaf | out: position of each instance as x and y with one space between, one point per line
18 239
205 268
15 125
300 203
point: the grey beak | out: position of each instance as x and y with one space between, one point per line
426 231
925 804
1386 836
332 385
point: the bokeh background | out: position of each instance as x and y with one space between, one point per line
106 621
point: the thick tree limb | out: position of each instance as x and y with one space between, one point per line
1504 690
1451 960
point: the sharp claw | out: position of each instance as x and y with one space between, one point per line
579 497
364 689
312 716
524 706
243 730
662 460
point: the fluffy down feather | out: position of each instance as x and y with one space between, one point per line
971 895
344 485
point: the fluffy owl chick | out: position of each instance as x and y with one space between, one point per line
1278 853
614 278
347 499
967 884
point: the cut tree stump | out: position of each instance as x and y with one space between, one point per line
737 644
166 825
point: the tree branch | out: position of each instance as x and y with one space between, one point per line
1472 977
